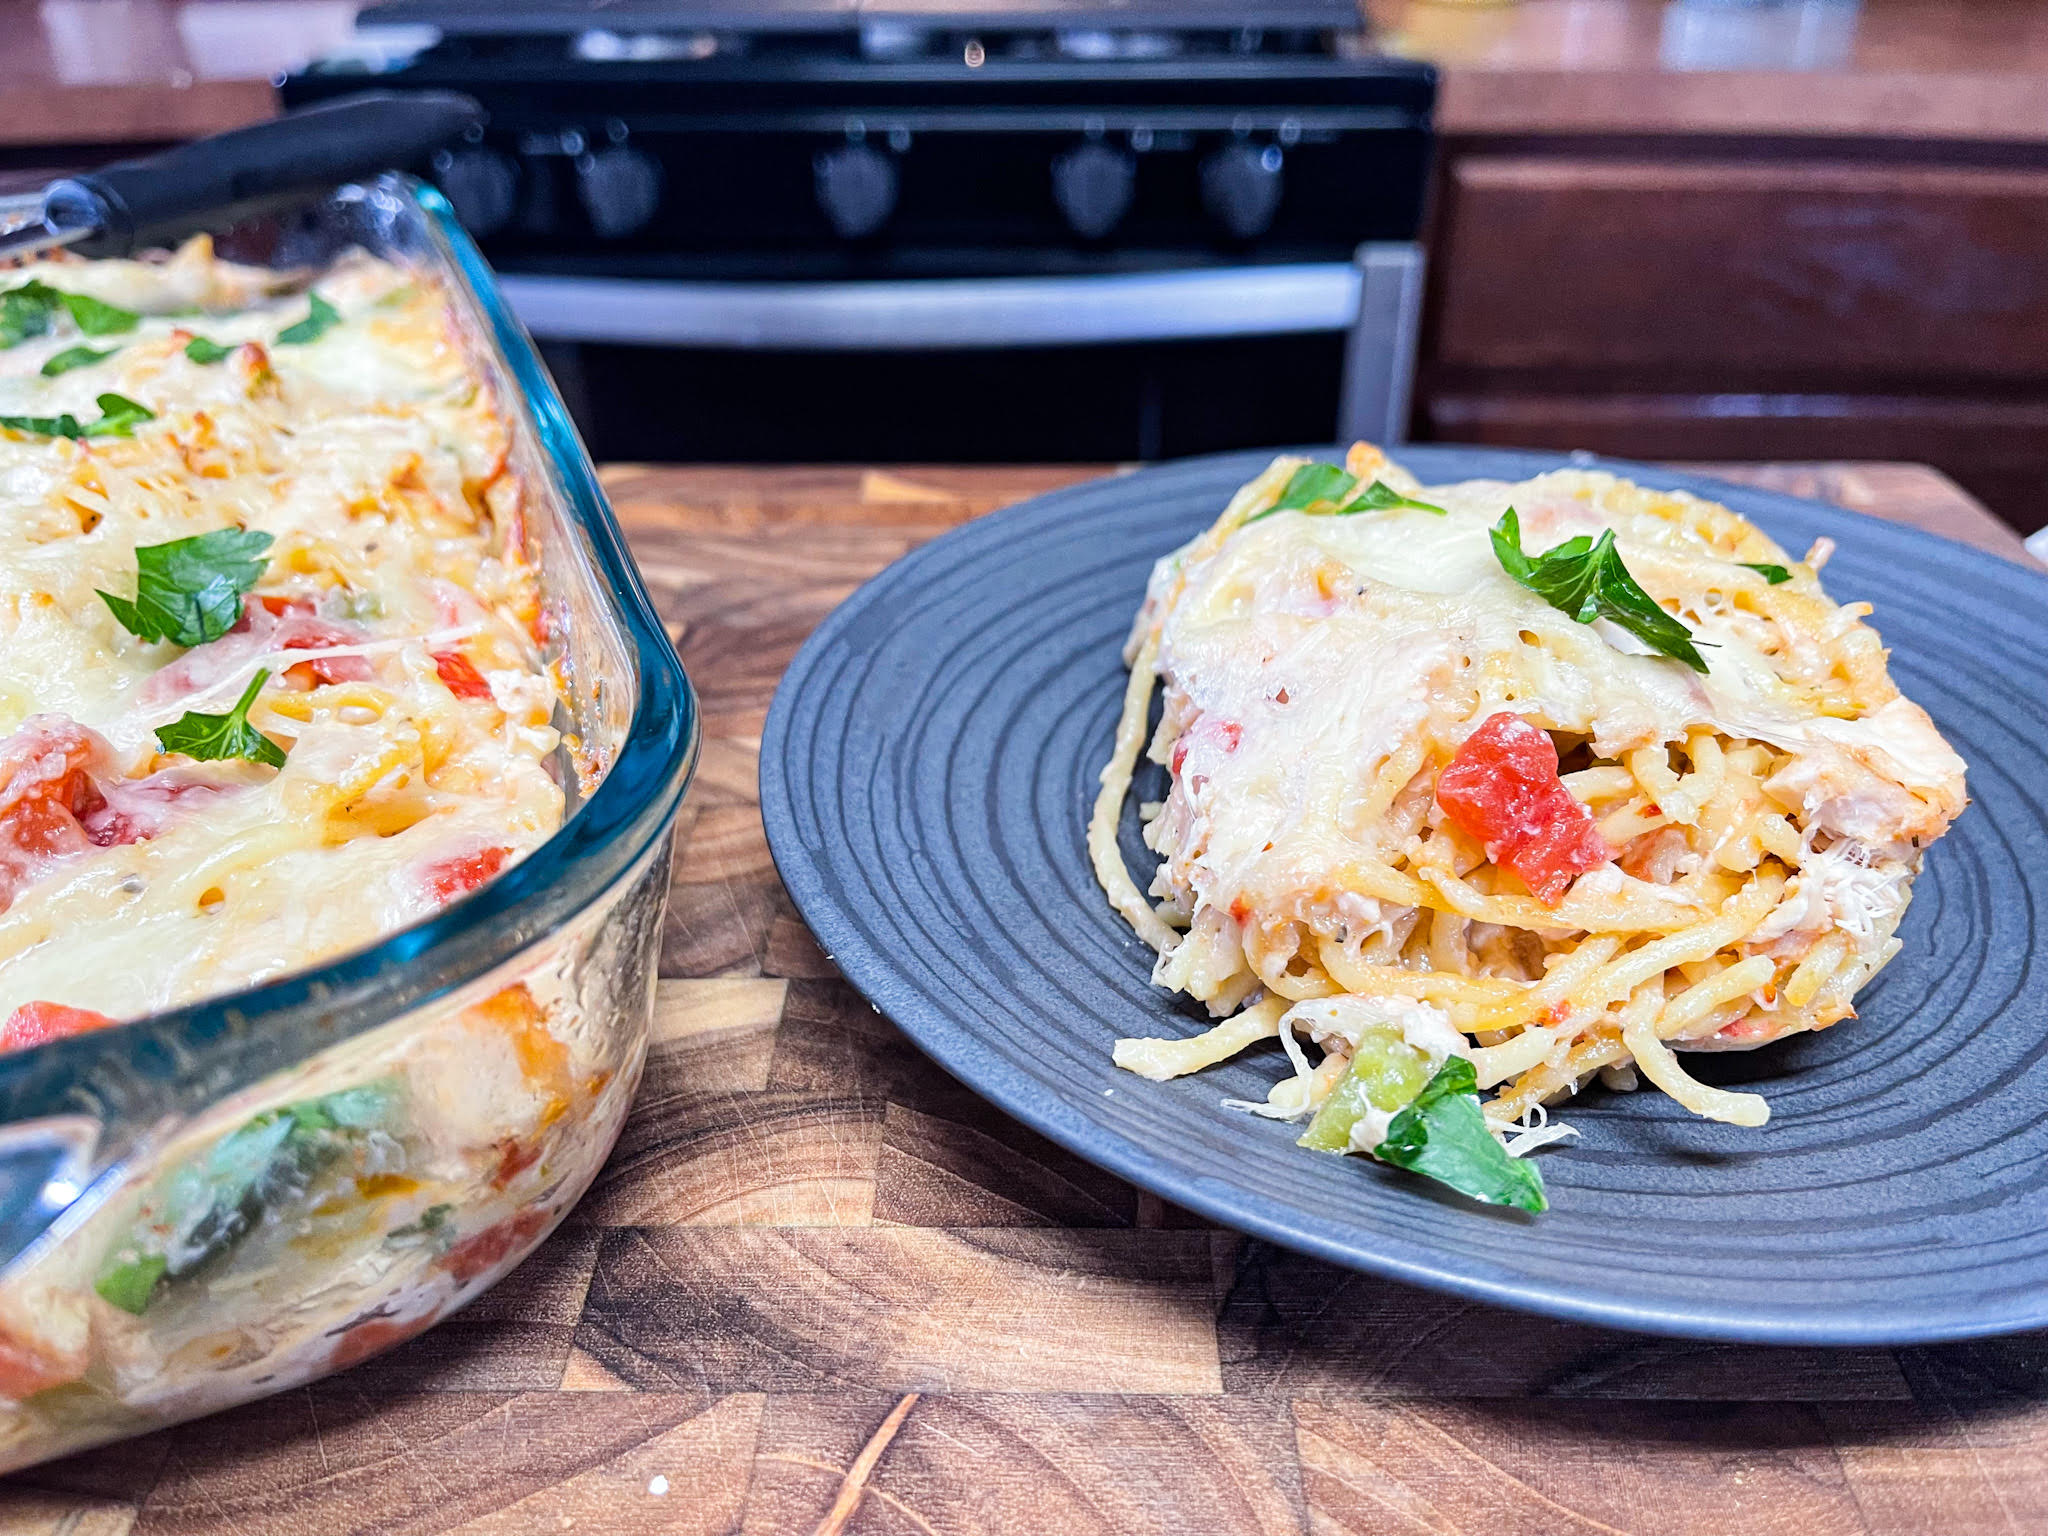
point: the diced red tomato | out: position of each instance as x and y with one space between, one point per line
31 1365
300 629
45 787
53 806
462 874
486 1250
1503 789
34 1023
514 1158
374 1335
130 810
268 623
463 680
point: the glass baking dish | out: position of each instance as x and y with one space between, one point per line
330 1162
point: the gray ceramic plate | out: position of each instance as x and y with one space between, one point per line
926 775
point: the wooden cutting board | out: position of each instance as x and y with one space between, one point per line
822 1288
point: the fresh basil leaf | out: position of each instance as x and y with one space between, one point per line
75 357
211 1203
200 350
321 318
1442 1135
1586 580
1314 484
190 591
45 426
1379 496
1306 486
96 317
1774 574
214 738
430 1221
119 417
26 312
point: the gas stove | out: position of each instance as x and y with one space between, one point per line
931 174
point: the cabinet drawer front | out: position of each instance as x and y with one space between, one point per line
1801 268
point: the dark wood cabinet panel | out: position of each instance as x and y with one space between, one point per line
1779 269
1997 449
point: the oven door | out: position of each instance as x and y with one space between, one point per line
1057 333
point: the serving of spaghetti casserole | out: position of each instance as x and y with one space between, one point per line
272 687
1492 786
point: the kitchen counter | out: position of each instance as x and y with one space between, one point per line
113 72
821 1288
1887 69
120 71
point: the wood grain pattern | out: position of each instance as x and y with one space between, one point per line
1572 1469
1809 268
1292 1327
807 1221
1077 1465
924 1310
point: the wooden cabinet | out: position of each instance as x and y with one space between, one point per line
1764 302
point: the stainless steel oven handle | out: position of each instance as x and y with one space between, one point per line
1376 297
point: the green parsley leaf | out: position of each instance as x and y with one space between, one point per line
1774 574
26 312
200 350
1442 1135
119 416
1310 484
45 426
322 318
1587 581
1379 496
267 1168
430 1221
96 317
1313 485
212 738
75 357
190 591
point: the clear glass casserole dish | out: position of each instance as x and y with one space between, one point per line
233 1198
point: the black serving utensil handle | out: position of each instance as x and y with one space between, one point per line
219 181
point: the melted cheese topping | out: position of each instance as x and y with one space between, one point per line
376 457
1302 651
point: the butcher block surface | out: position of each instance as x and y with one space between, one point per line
822 1288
